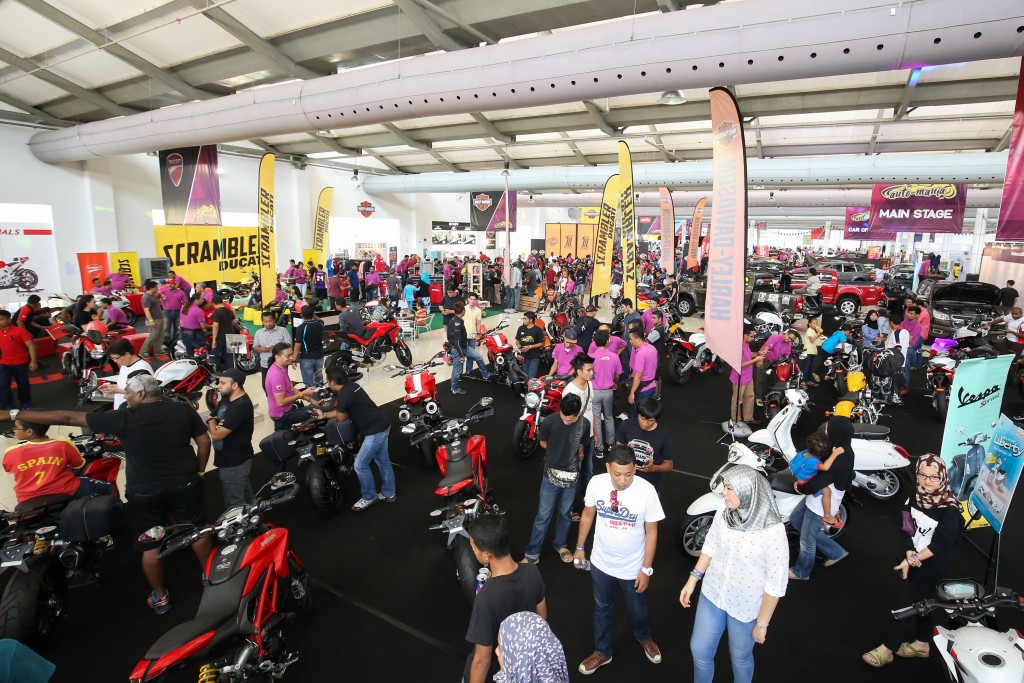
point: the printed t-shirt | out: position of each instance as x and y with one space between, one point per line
42 468
619 537
649 447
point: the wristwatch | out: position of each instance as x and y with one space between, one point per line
647 570
14 413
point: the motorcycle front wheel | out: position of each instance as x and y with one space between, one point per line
719 367
675 369
692 533
34 604
403 353
524 445
248 364
466 568
324 488
212 400
941 404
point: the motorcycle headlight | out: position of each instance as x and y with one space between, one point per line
938 315
97 352
404 415
532 400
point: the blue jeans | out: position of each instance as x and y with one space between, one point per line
915 360
457 359
708 626
172 325
473 356
642 395
192 339
586 466
531 366
812 538
221 354
553 500
807 366
604 609
19 373
312 370
375 449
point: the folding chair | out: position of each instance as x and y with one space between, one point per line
424 325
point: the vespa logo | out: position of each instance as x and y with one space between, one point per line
726 133
482 201
175 168
366 209
938 190
966 398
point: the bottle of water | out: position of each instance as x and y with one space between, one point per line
582 564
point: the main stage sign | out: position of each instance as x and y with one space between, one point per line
918 207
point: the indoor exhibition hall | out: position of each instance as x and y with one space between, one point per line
512 342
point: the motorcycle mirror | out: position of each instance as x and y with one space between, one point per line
390 368
153 534
436 513
282 479
408 429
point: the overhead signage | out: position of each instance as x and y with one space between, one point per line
452 225
366 209
201 253
918 207
493 211
190 185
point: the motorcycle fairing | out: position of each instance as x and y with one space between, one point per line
270 547
221 567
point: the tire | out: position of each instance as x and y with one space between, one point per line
324 488
847 305
426 451
942 404
685 306
34 604
212 400
522 445
770 412
404 354
248 364
28 279
893 484
719 367
67 366
466 568
675 369
692 533
843 515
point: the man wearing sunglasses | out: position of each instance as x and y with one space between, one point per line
625 510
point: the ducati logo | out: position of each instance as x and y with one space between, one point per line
482 202
175 168
366 209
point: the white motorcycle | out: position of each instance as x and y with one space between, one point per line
691 355
878 464
702 511
974 652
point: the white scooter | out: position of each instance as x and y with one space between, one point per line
702 511
974 652
878 462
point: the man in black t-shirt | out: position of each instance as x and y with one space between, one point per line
1008 296
650 442
586 326
531 342
223 322
309 347
352 403
511 588
231 432
163 473
448 303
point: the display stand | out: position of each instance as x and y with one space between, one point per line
236 344
475 279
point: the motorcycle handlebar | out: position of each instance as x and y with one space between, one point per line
976 607
183 541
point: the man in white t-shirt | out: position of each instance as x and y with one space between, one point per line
123 353
1014 322
582 386
625 510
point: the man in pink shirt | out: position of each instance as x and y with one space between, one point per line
607 369
119 280
643 364
647 318
564 353
183 284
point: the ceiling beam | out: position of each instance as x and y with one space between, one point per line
32 119
447 16
654 140
337 146
491 129
903 108
405 138
27 108
252 40
1004 141
504 155
64 84
873 145
575 150
428 27
598 117
755 125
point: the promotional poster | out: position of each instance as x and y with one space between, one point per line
858 226
266 259
126 259
693 250
28 250
999 474
205 253
668 237
91 265
1010 226
604 238
321 222
918 207
487 211
190 185
627 220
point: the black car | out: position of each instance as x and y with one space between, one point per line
849 271
951 305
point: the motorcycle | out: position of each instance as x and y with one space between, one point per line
381 337
690 355
780 376
944 358
462 459
838 364
701 512
120 300
252 585
862 406
879 463
506 365
964 470
420 407
766 324
543 396
184 379
974 651
14 274
55 543
247 361
239 289
88 350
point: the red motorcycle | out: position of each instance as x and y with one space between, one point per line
506 366
543 396
462 459
381 337
88 348
245 359
253 584
420 407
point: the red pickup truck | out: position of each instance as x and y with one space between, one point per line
846 297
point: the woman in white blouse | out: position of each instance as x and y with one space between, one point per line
744 564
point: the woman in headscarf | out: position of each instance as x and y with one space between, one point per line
932 525
809 517
872 333
743 564
528 652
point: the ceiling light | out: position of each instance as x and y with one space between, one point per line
531 199
355 178
672 97
505 172
758 187
771 196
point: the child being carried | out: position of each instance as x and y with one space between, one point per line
816 458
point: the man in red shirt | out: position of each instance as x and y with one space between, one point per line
17 357
44 467
28 319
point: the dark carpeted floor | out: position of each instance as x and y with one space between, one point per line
388 607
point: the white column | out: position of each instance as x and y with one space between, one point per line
978 243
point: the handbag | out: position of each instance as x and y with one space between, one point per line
907 523
566 479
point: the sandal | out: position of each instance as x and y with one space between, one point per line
876 659
160 605
565 554
908 650
574 517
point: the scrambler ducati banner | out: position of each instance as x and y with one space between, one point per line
321 222
209 253
668 237
627 222
266 258
723 312
693 250
129 260
917 207
190 186
604 242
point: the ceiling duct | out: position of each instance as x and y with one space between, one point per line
743 42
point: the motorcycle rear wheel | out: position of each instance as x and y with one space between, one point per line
34 604
248 364
466 568
130 315
676 372
719 367
942 404
892 484
523 445
403 353
28 279
324 488
692 533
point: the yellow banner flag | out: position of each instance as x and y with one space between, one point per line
604 242
267 259
128 260
626 213
321 222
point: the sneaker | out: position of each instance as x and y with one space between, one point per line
160 605
593 663
652 651
381 498
362 504
529 560
459 391
829 563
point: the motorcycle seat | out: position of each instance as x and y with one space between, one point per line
458 471
40 502
870 432
783 481
217 610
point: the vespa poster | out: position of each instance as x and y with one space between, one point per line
999 473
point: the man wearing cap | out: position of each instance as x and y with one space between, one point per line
564 353
586 326
349 321
775 347
231 432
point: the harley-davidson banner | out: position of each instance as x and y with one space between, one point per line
668 237
693 251
487 211
918 207
190 185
